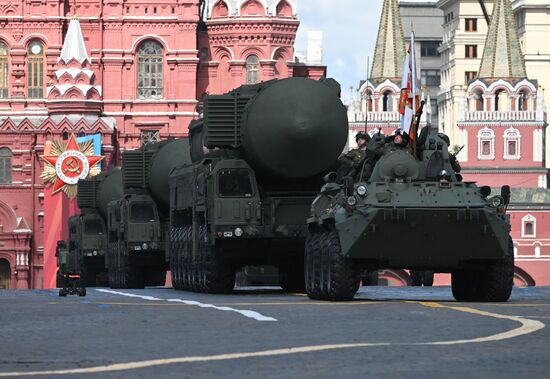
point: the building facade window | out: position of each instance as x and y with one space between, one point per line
449 17
150 79
433 105
512 145
529 226
387 102
469 76
501 100
478 101
471 24
149 137
471 51
252 70
520 19
429 48
35 71
430 77
4 73
5 165
486 144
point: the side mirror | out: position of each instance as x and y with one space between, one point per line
505 192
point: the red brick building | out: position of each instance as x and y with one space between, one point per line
130 70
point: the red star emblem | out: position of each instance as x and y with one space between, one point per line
71 165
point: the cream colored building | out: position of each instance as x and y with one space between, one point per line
463 46
532 19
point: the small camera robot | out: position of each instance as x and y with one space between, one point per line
72 285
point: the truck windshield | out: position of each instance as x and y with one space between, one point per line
142 212
235 183
93 227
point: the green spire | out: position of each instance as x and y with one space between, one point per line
502 56
389 53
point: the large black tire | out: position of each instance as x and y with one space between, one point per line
311 263
292 278
216 273
176 257
331 276
427 278
493 283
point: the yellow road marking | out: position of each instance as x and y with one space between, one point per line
527 326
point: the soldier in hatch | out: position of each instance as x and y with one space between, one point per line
359 162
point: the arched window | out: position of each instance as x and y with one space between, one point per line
220 10
252 69
252 8
478 97
4 73
387 102
486 144
369 101
35 71
284 9
5 165
523 99
149 70
5 274
512 146
529 226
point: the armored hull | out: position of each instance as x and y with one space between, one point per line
414 212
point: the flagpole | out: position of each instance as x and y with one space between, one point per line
367 102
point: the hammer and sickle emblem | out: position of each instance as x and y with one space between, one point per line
72 164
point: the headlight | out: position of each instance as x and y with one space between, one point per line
496 201
362 190
144 246
238 232
352 201
95 252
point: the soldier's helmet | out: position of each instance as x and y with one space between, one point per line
445 138
363 135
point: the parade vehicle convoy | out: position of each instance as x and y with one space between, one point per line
413 212
245 202
87 230
138 221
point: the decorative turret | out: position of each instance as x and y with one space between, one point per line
389 53
502 57
74 90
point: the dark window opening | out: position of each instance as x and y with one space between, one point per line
429 48
471 24
469 76
512 148
387 102
235 183
430 77
142 212
471 51
529 230
486 148
5 165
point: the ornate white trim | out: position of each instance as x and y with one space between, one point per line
529 218
485 134
512 134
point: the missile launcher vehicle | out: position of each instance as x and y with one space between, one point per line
138 221
413 212
87 230
245 201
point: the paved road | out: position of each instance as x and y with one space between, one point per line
264 333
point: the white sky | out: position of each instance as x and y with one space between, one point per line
349 34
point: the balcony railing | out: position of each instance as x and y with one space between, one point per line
374 116
500 116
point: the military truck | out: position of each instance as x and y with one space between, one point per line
245 201
414 212
138 222
87 230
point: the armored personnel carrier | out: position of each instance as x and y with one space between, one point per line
87 230
246 200
413 212
138 221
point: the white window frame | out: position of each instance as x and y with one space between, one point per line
485 134
526 219
512 134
